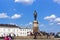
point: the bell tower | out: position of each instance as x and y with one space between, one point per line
35 23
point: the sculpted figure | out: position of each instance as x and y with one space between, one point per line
35 15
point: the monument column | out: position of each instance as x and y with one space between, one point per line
35 23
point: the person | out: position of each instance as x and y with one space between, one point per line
35 34
9 38
6 38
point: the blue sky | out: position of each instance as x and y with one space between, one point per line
20 12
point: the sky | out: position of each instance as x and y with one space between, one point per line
20 12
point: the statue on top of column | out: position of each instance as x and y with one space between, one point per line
35 15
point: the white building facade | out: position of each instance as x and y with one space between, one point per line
14 30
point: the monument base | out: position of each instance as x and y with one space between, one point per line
35 26
35 29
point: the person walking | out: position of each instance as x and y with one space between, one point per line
9 38
6 38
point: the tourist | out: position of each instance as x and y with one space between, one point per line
6 38
9 38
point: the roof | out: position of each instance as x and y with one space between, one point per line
25 28
8 25
13 26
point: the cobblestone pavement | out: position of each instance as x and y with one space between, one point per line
28 39
33 39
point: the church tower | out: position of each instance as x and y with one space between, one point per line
35 23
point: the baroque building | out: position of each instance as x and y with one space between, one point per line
13 30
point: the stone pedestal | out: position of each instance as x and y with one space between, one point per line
35 26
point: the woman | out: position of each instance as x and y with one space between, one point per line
6 38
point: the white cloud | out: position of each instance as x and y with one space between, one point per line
51 24
57 20
30 23
15 16
57 1
12 23
25 1
50 18
53 19
58 23
3 15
